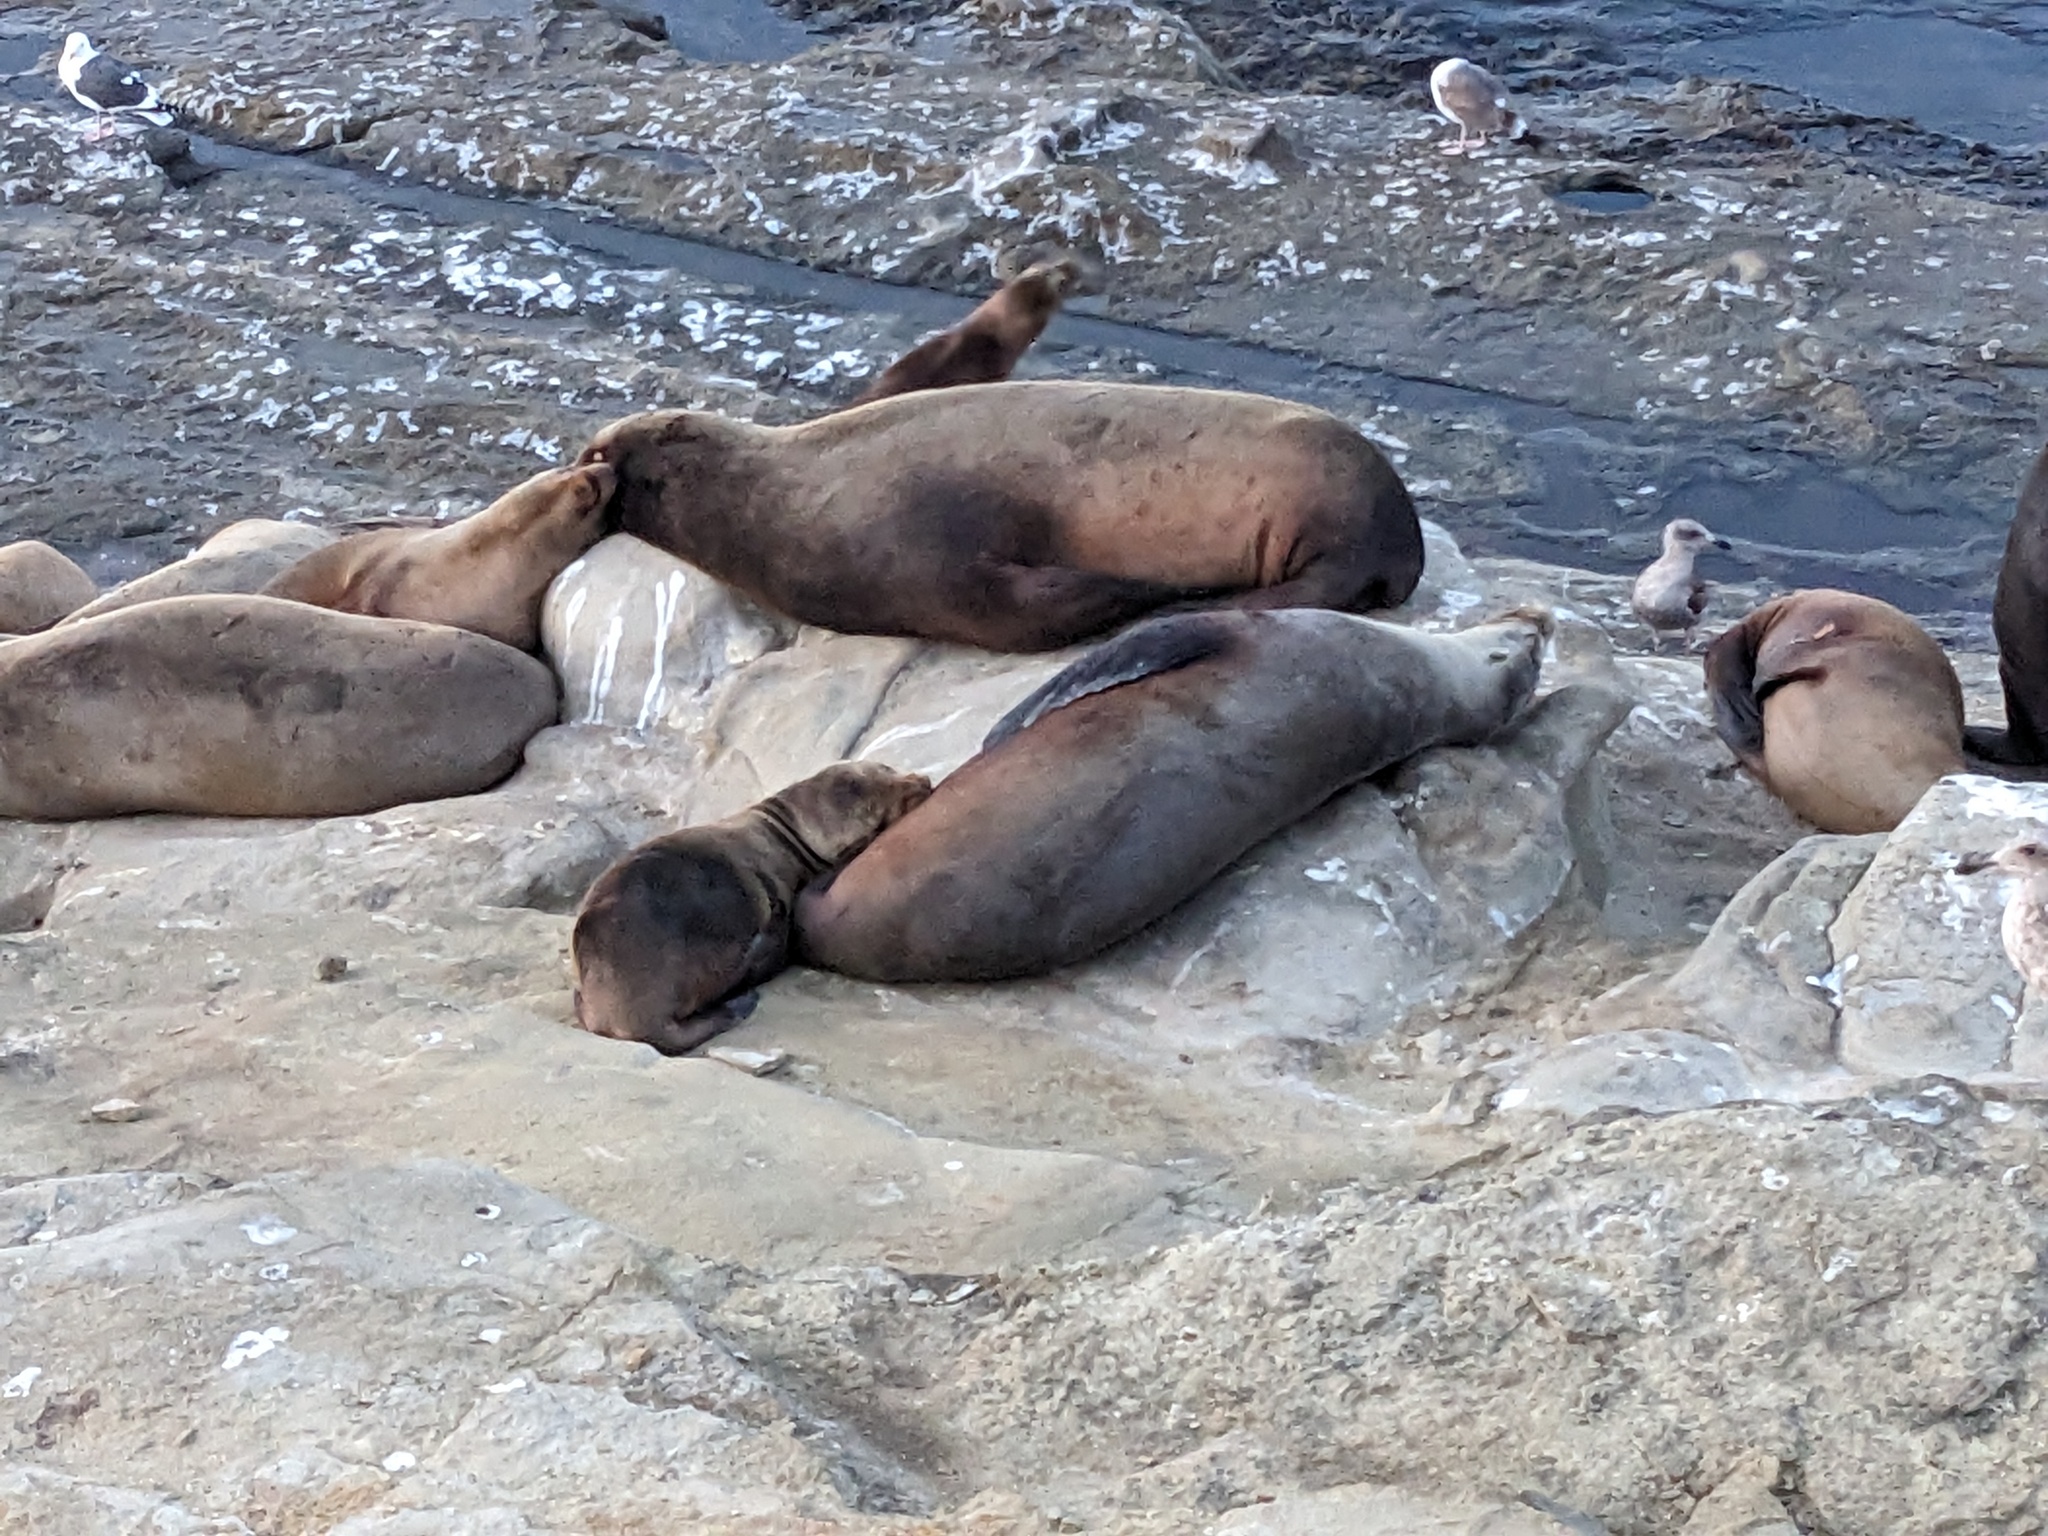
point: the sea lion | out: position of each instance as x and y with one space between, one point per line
486 573
38 587
1842 706
1134 777
983 348
248 706
245 556
1022 516
684 922
2019 622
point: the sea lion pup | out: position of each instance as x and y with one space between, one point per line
983 348
1841 706
2019 622
486 573
247 706
1022 516
1668 595
1133 778
681 924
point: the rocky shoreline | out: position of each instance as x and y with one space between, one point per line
1555 1140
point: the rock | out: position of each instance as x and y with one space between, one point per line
639 639
1651 1071
1247 151
242 557
1742 1503
116 1111
39 586
1141 40
753 1063
477 1356
1468 1331
1757 981
1923 979
1359 1510
170 150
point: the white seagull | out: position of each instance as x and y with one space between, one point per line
2025 926
1473 99
1668 595
106 85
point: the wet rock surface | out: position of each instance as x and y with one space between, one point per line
1551 1138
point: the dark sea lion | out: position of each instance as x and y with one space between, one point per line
1840 705
1022 516
2019 621
39 586
1133 778
684 922
983 348
486 573
248 706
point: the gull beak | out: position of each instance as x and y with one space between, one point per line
1974 863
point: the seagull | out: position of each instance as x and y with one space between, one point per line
2025 926
1473 99
1668 595
106 85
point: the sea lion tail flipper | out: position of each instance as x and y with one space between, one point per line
1160 645
1731 687
2002 754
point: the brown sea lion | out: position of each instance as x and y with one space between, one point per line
1842 706
486 573
39 586
983 348
248 706
1022 516
1134 777
683 923
245 556
2019 621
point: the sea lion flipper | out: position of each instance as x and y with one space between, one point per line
1162 645
1731 687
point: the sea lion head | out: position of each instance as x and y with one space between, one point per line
839 811
624 443
1509 651
638 976
566 510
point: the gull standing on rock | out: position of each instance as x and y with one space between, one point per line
2025 926
1473 99
1668 596
106 85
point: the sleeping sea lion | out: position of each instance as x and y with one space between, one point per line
1022 516
486 573
682 923
1137 775
1842 706
248 706
39 586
